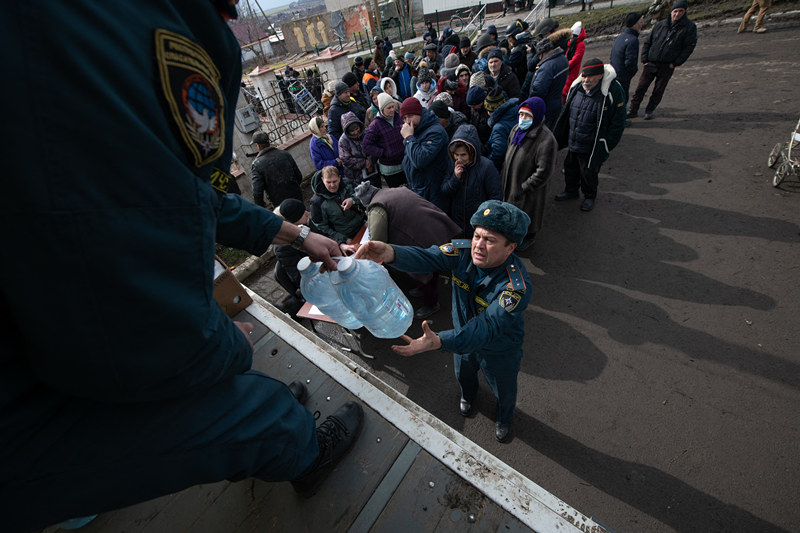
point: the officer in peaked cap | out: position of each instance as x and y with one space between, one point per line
491 290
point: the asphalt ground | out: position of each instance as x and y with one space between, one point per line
660 385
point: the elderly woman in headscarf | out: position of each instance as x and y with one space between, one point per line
323 147
528 165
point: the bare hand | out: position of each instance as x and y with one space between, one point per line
407 130
348 249
347 204
247 329
369 166
321 248
377 251
458 171
428 342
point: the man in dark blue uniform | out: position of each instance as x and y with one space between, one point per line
491 290
121 379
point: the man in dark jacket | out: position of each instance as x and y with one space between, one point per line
478 115
625 51
286 273
132 382
590 126
466 56
341 103
450 119
668 46
549 78
502 74
274 173
501 120
426 161
401 75
354 82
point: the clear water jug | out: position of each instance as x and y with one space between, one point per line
317 288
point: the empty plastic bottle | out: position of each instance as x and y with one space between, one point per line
366 288
317 288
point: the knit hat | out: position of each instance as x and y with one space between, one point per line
461 68
364 192
451 82
444 97
536 107
502 217
491 29
424 75
475 95
494 99
378 39
358 61
331 86
384 100
261 138
439 109
544 46
291 210
483 41
350 79
340 88
680 4
393 55
632 18
451 61
410 106
409 55
464 42
495 53
478 79
592 66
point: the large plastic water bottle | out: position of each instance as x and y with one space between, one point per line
317 288
366 288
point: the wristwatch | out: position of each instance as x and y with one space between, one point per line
298 242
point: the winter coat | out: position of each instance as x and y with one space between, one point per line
426 161
412 220
479 182
527 169
468 59
501 121
578 47
379 57
610 120
518 61
670 43
625 56
459 96
275 174
402 80
383 141
425 98
480 119
321 153
507 81
327 213
456 119
339 108
354 160
326 100
548 83
389 81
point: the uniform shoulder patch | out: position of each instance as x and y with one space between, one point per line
462 243
448 249
515 279
509 300
190 83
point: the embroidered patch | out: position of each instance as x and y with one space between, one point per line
458 283
447 249
509 300
222 181
190 82
482 304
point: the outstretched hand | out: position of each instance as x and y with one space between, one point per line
429 341
377 251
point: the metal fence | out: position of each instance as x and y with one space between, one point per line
290 102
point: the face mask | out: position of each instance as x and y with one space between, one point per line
525 123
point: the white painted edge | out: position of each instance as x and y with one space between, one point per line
530 503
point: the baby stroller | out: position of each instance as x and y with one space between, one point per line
785 158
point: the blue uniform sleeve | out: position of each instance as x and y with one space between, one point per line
422 260
246 226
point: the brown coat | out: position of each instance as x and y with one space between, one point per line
378 57
528 168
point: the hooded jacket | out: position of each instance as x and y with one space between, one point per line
425 98
548 83
610 121
670 43
327 213
426 161
575 61
383 141
479 182
501 121
351 153
339 108
389 81
321 154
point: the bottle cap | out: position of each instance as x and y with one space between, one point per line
304 265
346 265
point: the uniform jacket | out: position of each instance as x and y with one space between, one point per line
426 161
383 140
610 118
479 182
670 43
501 121
488 317
548 82
339 108
528 168
275 173
625 55
327 213
321 154
576 60
354 160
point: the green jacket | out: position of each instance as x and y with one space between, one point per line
327 213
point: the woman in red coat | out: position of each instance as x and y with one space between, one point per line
575 49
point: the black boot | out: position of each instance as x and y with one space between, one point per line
299 391
334 436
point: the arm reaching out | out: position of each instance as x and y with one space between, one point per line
428 342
